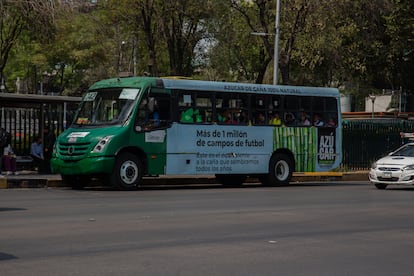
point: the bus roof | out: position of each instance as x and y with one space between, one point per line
248 87
198 85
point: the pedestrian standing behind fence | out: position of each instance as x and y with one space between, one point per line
36 152
10 160
50 139
3 144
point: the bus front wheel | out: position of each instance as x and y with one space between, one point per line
127 172
280 171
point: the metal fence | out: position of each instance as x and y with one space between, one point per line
364 141
25 116
24 124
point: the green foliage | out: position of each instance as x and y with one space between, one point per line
400 54
364 46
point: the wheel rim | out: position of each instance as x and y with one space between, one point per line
282 170
129 172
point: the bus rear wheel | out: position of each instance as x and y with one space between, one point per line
127 172
280 171
231 179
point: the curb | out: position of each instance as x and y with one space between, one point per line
43 181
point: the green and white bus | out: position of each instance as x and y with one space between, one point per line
128 128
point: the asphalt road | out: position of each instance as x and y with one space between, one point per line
347 228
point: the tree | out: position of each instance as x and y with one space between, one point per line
36 17
170 29
400 55
80 52
357 44
139 23
259 16
183 25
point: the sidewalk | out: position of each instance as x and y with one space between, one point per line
29 179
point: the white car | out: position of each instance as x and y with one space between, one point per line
395 169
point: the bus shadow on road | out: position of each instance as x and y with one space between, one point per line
203 186
329 183
5 209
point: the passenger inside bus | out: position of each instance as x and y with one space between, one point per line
331 122
243 118
275 119
149 116
153 115
317 120
289 119
304 119
229 118
260 119
191 115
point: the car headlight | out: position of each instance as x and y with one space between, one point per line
100 146
374 165
409 167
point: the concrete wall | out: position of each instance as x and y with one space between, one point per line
381 103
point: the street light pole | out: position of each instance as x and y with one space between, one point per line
2 86
276 51
372 97
276 47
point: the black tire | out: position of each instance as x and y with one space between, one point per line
76 182
127 172
231 180
381 186
280 171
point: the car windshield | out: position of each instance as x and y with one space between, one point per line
106 107
407 150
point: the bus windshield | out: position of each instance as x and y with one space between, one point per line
106 107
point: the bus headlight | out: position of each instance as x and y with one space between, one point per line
100 146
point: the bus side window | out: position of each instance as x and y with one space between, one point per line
231 109
187 110
154 112
289 119
260 119
160 113
204 106
164 105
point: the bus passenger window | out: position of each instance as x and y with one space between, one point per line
187 112
190 115
148 114
317 120
243 118
153 119
154 112
275 119
260 119
304 119
289 119
204 105
229 118
331 122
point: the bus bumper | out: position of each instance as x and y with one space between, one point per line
87 166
